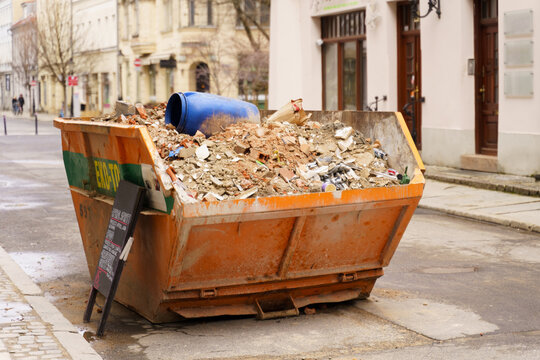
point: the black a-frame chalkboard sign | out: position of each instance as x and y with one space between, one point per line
126 208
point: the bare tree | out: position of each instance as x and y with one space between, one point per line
60 46
219 55
232 61
25 53
249 14
254 15
253 74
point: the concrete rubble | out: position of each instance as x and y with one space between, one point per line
269 159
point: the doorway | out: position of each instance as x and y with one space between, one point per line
410 70
486 76
202 78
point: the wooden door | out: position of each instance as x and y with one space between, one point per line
486 76
410 70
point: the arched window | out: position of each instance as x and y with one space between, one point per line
202 78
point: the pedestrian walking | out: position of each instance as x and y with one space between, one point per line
21 104
15 105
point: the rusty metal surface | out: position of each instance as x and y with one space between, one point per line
217 258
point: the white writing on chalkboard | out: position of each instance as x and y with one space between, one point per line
121 216
111 250
108 255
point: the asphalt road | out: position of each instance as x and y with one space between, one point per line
454 289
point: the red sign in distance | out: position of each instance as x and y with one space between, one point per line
73 80
137 62
33 83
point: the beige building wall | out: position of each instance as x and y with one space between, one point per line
50 90
95 60
166 36
170 40
95 26
50 94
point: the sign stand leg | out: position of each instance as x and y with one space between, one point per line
109 299
90 306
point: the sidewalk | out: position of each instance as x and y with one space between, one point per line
46 117
27 116
31 328
522 185
470 201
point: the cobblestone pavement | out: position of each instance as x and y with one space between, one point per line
23 334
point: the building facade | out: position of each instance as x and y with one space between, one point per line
10 12
94 65
95 23
145 50
184 45
464 75
25 56
6 20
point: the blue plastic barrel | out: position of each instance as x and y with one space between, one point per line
192 111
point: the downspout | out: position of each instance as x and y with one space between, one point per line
118 55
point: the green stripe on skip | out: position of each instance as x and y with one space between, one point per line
102 175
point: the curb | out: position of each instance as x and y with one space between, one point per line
509 188
66 334
485 218
29 118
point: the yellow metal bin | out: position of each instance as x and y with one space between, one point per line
262 256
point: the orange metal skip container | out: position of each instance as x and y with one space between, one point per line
264 256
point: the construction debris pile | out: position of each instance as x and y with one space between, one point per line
270 159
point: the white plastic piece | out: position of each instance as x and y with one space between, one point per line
344 133
202 152
125 252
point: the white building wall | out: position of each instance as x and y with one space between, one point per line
295 63
381 41
448 114
296 60
95 22
5 36
519 118
6 19
95 30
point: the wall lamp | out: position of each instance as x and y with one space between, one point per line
432 4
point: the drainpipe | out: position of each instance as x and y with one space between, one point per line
118 55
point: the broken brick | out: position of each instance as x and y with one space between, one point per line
141 110
241 148
286 174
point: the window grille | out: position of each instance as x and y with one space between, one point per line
349 25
